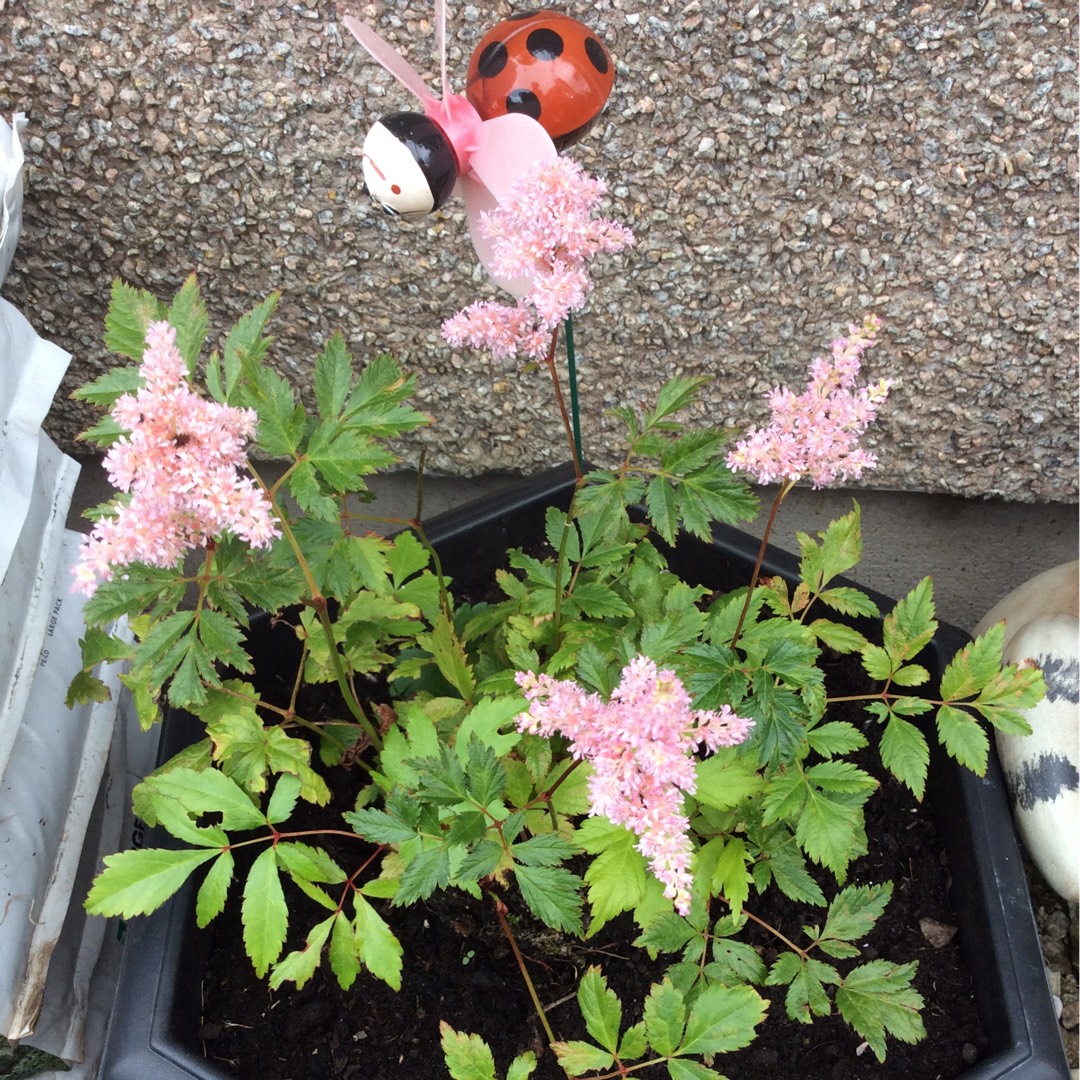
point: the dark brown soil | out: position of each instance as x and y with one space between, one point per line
459 968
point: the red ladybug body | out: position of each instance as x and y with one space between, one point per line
546 65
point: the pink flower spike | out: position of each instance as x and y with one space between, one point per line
545 231
817 433
178 462
641 745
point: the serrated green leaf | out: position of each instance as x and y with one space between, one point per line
828 831
187 314
468 1057
522 1067
835 739
791 875
731 878
633 1044
855 911
264 913
617 876
877 999
601 1008
908 628
667 932
837 636
724 780
245 346
660 503
735 961
552 894
378 826
208 792
840 776
486 721
131 311
905 754
599 601
722 1018
548 849
106 390
664 1017
332 376
138 882
308 862
380 951
344 962
450 658
84 689
974 665
299 965
681 1069
806 980
282 802
577 1057
963 737
210 901
428 871
848 601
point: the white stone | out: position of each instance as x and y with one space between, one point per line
1042 769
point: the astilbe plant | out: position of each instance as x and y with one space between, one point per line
675 742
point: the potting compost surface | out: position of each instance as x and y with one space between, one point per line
459 968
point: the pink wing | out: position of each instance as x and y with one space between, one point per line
382 52
440 44
506 147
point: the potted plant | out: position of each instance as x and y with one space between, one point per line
636 725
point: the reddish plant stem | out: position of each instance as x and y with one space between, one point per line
784 489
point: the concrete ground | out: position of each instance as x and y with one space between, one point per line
976 551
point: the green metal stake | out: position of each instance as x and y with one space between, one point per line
571 368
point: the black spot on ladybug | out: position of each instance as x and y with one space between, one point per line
597 57
492 60
1042 780
523 101
544 44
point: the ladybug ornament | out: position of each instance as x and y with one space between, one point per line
546 65
536 84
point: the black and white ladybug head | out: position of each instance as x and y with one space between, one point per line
409 165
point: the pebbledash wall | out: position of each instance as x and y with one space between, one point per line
785 167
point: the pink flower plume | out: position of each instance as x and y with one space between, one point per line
544 231
179 465
641 745
817 433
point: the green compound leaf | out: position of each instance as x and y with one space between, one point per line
664 1017
877 999
264 913
138 882
299 965
522 1067
806 981
468 1057
187 313
601 1008
852 915
722 1018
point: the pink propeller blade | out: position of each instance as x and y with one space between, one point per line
383 53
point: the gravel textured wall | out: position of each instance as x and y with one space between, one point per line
785 168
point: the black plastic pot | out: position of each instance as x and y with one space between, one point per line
153 1033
